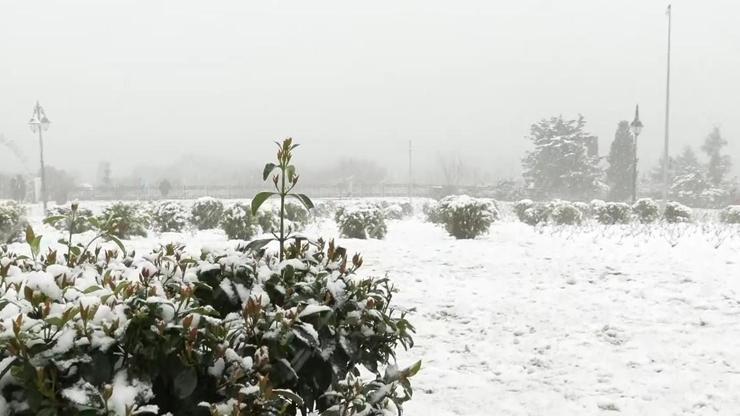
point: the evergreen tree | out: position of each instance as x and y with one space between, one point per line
621 155
719 165
563 163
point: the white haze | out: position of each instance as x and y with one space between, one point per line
145 82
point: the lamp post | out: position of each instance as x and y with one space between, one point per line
636 129
38 123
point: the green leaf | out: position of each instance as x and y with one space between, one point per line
35 244
53 219
289 395
185 382
268 170
305 200
29 234
118 243
258 244
412 370
260 199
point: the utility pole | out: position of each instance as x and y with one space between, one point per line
667 112
38 123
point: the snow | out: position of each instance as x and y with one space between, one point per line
557 320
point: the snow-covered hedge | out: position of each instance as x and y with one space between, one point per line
466 217
363 220
296 217
646 210
219 334
676 212
169 216
238 222
730 215
611 212
131 219
12 221
564 213
206 213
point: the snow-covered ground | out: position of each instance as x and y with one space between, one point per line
642 320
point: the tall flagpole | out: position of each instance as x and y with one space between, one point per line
667 113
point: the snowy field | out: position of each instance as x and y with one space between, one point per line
640 320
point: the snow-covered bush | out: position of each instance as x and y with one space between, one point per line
296 218
325 209
646 210
361 221
612 212
79 222
12 221
169 216
217 334
676 212
206 213
131 219
466 217
393 212
238 222
297 215
730 215
584 208
564 213
520 207
432 213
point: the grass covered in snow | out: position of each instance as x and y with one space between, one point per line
643 319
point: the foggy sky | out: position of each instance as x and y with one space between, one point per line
146 81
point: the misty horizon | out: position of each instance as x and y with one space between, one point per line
159 83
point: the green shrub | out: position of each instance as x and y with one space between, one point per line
564 213
432 213
80 222
531 213
465 217
131 219
190 343
206 213
12 221
646 210
612 213
730 215
520 207
222 333
675 212
169 216
361 221
238 222
297 215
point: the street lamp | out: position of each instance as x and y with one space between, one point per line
636 129
38 123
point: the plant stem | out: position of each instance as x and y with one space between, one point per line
282 209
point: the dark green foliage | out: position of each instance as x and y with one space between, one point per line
675 212
621 156
361 221
131 219
646 210
564 161
465 217
206 213
564 213
78 223
612 212
202 343
12 221
169 216
238 222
